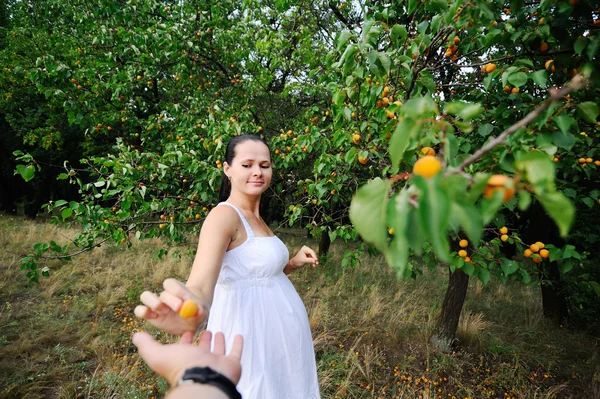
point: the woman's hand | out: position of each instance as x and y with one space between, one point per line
170 361
304 257
162 310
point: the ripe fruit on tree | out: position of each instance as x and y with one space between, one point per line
427 167
463 243
514 90
500 183
363 160
534 248
544 47
428 151
188 309
504 237
489 68
503 230
462 253
540 244
527 253
355 138
544 253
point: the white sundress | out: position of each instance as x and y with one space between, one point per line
253 297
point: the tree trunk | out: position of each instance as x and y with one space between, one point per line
445 336
540 227
324 243
554 301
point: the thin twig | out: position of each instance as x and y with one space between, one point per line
575 84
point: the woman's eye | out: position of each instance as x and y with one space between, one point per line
266 166
245 166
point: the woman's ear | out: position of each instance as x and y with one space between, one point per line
226 168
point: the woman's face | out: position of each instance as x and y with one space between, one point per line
250 170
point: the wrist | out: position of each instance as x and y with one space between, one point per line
195 391
289 267
208 377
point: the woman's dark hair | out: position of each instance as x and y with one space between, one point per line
225 189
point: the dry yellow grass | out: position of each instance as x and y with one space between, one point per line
69 336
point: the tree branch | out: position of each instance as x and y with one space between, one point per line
575 84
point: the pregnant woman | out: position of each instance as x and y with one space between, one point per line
240 274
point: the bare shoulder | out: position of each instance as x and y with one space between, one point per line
222 218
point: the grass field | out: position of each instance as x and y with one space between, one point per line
69 336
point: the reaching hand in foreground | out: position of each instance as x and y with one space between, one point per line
163 310
171 360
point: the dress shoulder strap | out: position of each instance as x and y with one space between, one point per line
249 231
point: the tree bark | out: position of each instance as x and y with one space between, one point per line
554 301
540 227
445 336
324 243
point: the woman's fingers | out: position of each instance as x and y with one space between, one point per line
171 300
152 300
144 312
176 288
311 255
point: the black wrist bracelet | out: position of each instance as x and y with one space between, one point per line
208 376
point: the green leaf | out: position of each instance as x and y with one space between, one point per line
579 45
469 219
484 276
539 168
595 286
343 39
398 218
566 266
525 276
419 107
509 266
485 129
517 79
466 111
468 268
589 202
368 212
66 213
405 129
434 214
26 172
60 203
563 140
398 32
540 77
560 209
588 111
524 200
564 122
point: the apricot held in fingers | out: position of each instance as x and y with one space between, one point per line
188 309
